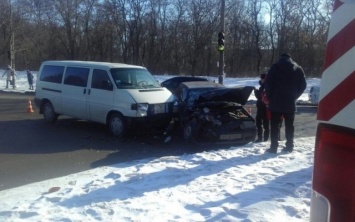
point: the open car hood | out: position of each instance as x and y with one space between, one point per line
236 94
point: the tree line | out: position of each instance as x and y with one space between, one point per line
176 37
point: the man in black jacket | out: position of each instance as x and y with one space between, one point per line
284 84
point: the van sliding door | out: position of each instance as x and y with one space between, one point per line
75 92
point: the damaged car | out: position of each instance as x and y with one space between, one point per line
173 83
209 112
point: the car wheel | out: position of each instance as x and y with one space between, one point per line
189 131
117 125
49 113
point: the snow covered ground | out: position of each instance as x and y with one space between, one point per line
227 184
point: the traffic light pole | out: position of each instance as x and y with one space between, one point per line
221 52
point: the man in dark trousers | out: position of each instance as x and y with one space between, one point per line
261 118
284 84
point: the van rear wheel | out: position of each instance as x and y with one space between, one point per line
49 114
117 125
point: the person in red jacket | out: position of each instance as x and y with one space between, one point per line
261 118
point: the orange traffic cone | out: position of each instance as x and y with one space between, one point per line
29 107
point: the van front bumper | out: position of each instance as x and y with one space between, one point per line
158 120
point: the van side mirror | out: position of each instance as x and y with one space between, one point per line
106 84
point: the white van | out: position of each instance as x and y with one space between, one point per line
115 94
333 182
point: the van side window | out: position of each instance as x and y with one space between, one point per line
52 73
100 80
76 76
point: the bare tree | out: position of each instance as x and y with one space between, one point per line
255 14
167 36
204 22
5 30
238 39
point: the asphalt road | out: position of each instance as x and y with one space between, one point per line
32 150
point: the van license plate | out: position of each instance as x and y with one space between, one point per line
230 137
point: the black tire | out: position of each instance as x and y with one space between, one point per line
117 125
189 131
49 114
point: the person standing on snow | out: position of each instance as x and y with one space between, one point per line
261 118
30 79
284 84
10 77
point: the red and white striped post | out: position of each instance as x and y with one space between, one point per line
339 67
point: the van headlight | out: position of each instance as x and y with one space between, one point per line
142 109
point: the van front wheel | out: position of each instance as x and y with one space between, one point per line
117 125
49 114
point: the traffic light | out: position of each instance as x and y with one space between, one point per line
220 41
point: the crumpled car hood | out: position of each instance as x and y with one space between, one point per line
236 94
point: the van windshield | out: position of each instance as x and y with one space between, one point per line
133 78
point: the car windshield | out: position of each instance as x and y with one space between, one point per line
133 78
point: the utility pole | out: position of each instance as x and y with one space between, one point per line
221 46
